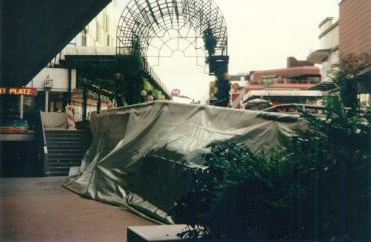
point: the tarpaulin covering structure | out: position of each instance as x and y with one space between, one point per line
138 153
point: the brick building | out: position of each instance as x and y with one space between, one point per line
355 37
355 26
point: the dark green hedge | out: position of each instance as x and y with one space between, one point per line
316 187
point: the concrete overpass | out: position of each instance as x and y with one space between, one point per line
34 32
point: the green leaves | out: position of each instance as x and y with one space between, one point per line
229 191
316 187
210 40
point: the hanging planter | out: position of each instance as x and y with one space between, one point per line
143 93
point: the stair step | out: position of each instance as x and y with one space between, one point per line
68 140
65 156
64 173
58 172
68 144
62 165
69 148
60 131
63 161
66 151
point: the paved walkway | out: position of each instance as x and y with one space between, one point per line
39 209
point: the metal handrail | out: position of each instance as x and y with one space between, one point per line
42 129
155 77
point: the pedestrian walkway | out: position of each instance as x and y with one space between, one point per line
39 209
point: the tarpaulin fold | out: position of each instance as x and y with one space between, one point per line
138 153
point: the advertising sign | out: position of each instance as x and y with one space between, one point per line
18 91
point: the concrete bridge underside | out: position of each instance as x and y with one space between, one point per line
33 33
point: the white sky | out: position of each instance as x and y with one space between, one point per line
261 33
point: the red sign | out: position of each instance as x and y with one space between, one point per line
175 92
18 91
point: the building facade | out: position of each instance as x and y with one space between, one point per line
355 37
355 26
101 31
288 85
328 54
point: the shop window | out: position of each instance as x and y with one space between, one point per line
12 120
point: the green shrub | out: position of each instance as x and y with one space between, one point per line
238 196
317 187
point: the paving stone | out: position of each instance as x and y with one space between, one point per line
39 209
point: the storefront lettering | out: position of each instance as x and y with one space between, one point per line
18 91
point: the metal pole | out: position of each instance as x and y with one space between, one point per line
69 96
84 103
46 100
99 103
21 107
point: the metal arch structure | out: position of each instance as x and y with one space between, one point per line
163 27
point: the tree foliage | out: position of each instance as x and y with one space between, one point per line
316 186
210 42
347 76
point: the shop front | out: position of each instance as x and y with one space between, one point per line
18 114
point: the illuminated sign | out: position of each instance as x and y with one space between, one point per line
18 91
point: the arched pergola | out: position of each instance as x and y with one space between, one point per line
162 27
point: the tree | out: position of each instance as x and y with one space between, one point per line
347 77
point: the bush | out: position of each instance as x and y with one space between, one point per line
238 196
317 187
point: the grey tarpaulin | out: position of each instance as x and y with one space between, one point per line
138 152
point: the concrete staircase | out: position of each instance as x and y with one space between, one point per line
66 149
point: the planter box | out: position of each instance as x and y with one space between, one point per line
155 233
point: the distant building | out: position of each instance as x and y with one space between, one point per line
328 54
287 85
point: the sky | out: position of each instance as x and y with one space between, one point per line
261 35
